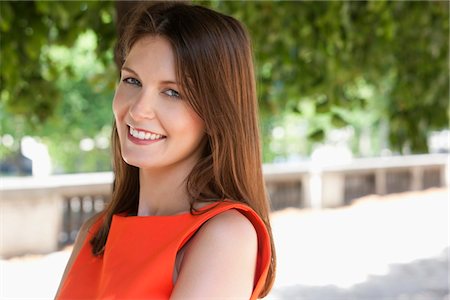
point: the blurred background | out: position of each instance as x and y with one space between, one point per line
354 109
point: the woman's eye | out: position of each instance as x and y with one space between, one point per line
132 81
172 93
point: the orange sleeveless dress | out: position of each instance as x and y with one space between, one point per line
140 253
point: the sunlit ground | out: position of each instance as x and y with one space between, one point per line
392 247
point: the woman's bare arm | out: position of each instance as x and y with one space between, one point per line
220 260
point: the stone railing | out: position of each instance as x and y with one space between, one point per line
40 215
315 185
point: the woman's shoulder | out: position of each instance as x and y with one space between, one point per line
226 222
90 222
79 241
86 229
227 233
220 258
231 219
229 224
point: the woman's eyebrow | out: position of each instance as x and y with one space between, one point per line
169 82
129 70
162 82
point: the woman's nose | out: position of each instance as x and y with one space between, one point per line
143 107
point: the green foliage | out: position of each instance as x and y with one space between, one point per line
27 29
318 52
54 57
85 112
371 65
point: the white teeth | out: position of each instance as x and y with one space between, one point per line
142 135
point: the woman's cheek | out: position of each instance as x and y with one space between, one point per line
120 100
176 116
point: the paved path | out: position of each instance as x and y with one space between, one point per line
385 248
425 279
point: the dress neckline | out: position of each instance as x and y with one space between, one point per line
182 214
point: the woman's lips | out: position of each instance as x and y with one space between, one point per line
143 137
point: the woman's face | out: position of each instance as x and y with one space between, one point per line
157 128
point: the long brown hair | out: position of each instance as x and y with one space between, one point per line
214 65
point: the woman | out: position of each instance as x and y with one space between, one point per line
188 217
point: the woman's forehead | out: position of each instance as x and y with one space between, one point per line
152 55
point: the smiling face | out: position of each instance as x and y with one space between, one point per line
157 128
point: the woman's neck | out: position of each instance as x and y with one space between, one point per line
163 192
